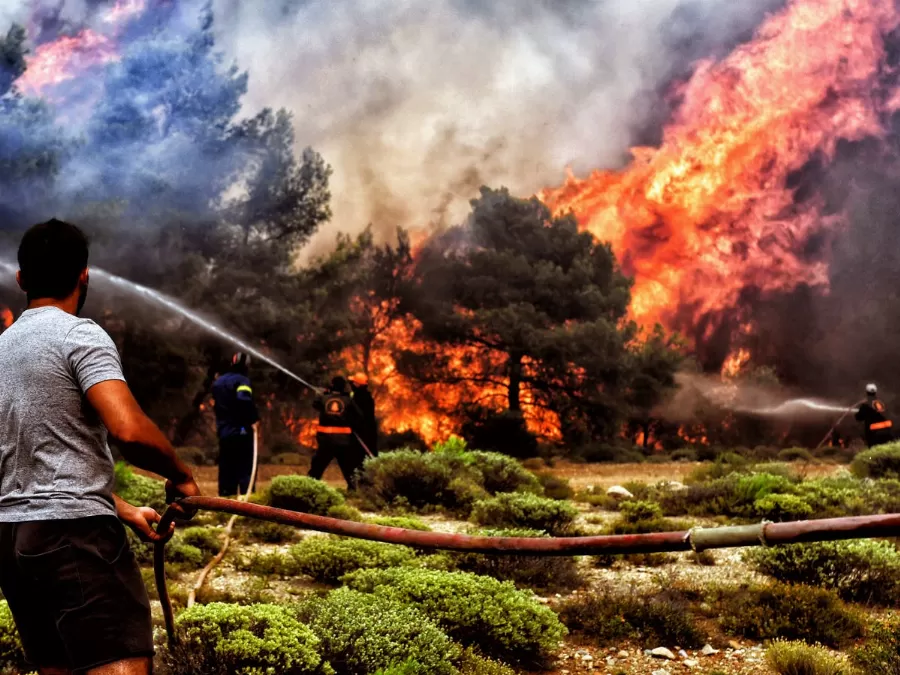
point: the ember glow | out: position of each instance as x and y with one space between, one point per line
709 213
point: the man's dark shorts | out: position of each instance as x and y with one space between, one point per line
75 592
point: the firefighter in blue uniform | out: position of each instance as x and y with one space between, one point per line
877 426
338 419
236 415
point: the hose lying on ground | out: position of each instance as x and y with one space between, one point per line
697 539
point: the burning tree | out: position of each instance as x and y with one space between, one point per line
541 310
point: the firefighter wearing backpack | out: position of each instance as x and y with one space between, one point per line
878 428
338 418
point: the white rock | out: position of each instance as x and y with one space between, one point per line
708 650
623 654
691 663
663 653
660 672
617 492
683 654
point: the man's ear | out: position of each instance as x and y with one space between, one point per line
19 281
85 276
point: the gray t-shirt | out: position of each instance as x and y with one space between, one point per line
54 459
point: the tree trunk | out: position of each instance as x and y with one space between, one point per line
515 382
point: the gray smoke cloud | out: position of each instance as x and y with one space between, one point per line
416 103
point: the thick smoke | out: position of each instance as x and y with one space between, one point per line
418 103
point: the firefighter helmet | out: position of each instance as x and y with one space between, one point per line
359 379
871 390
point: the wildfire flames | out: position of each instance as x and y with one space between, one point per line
697 220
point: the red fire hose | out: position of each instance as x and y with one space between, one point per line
697 539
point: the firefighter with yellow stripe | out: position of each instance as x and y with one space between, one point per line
236 416
878 428
338 419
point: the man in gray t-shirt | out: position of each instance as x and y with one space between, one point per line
73 585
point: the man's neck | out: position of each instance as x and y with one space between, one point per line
68 305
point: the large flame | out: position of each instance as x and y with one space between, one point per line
709 213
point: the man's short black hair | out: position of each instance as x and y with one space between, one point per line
52 256
338 384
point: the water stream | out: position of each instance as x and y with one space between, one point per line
163 300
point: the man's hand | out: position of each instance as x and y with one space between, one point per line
185 488
141 520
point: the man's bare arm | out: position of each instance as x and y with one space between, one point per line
141 441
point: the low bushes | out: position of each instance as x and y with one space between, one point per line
652 618
880 655
271 533
207 539
12 657
792 612
139 490
640 517
244 640
401 521
798 658
361 633
327 559
542 573
882 461
496 617
522 510
865 571
554 487
304 494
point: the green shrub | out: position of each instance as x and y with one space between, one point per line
684 455
607 618
792 612
186 555
361 633
882 461
554 487
327 559
522 510
755 486
265 564
244 640
401 521
542 573
472 663
420 481
502 473
139 490
641 517
880 655
207 539
272 533
865 571
345 512
798 658
12 656
496 617
452 446
795 455
781 508
303 494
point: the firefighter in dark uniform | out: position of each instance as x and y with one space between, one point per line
873 414
338 417
368 424
236 415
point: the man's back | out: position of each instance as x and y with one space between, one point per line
54 459
234 407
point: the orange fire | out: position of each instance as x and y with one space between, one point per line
6 317
67 57
708 213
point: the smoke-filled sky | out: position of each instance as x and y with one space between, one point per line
416 103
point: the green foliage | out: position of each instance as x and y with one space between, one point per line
860 571
264 564
799 658
139 490
880 655
244 640
780 508
641 517
795 455
327 559
345 512
361 633
607 618
882 461
12 656
554 487
404 522
452 446
793 612
303 494
420 481
523 510
542 573
207 539
272 533
501 473
494 616
473 663
186 555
